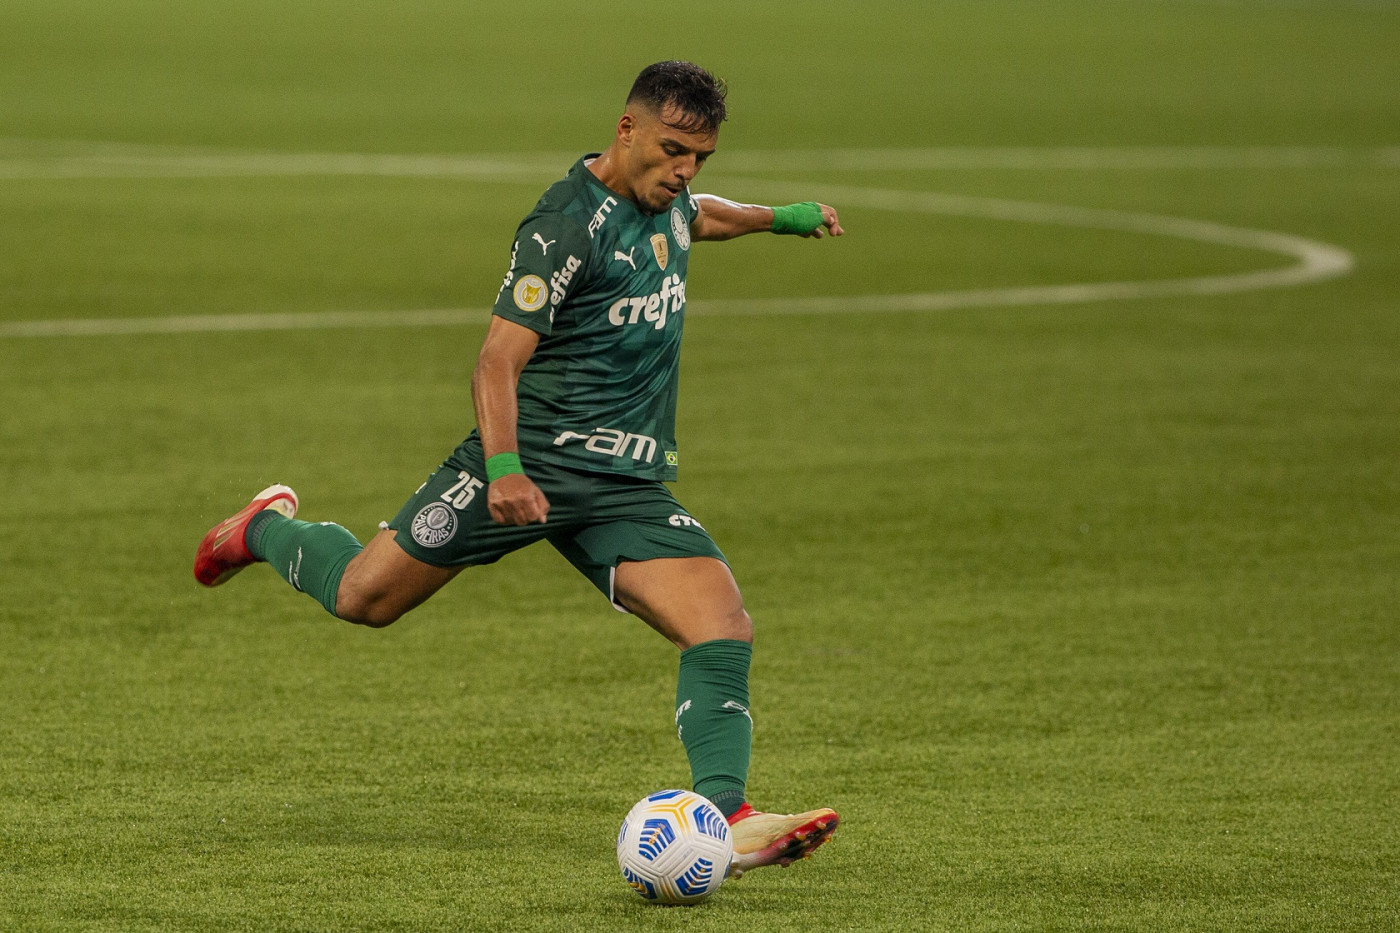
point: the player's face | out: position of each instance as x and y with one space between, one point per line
661 159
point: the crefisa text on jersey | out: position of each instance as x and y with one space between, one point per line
654 307
559 281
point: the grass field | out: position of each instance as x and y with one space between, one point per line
1079 605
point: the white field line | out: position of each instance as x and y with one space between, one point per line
1313 261
66 159
522 169
241 323
1060 159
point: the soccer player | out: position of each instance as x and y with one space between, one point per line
575 395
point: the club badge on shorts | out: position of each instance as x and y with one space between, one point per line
434 525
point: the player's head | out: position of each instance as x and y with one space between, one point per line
684 96
668 130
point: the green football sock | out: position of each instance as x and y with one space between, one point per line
712 719
310 556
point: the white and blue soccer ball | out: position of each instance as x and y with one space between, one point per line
674 847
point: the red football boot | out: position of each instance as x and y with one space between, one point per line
223 552
777 838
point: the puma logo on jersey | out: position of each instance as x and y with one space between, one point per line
620 256
544 247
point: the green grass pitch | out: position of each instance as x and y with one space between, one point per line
1082 613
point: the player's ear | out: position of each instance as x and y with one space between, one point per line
626 127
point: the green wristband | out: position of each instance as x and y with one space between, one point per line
503 465
797 218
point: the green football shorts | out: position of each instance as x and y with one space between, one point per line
595 520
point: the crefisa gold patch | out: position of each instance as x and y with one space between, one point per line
661 249
530 293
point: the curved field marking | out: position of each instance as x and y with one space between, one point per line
1314 261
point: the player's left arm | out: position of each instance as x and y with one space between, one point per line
719 218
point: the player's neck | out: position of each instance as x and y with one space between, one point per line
608 170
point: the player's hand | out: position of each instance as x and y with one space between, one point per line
515 500
830 224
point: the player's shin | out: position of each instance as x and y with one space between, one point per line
713 721
310 556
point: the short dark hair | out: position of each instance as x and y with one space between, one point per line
695 92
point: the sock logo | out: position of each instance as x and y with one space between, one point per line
680 709
294 573
730 704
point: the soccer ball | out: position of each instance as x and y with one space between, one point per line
674 847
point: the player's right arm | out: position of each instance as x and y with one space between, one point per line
550 249
719 218
513 499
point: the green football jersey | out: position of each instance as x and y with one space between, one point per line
603 283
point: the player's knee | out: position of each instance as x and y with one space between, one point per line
363 608
740 626
734 625
377 618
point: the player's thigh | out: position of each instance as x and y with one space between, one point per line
442 528
641 544
382 582
446 523
689 600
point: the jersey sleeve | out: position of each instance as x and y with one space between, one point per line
692 205
546 266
